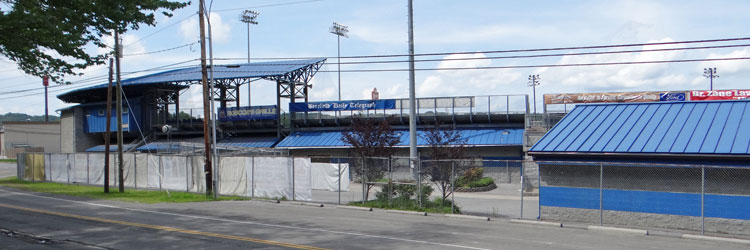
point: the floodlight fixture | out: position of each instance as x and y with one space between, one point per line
533 82
249 17
339 30
710 73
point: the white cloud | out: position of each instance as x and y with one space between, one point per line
220 31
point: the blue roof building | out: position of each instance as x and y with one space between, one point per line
649 164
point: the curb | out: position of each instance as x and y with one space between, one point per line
267 201
713 238
536 222
308 204
618 229
472 217
407 212
355 208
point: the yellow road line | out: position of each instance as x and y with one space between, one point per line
165 228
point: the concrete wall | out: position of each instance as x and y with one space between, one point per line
74 137
646 220
35 134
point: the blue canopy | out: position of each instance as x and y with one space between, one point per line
679 128
221 72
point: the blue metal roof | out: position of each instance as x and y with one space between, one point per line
709 127
246 70
249 142
474 137
112 148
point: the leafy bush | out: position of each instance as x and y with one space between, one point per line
485 181
473 174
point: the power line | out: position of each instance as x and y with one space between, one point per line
268 5
522 50
163 50
547 65
160 30
535 56
92 80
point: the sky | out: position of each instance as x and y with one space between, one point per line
298 28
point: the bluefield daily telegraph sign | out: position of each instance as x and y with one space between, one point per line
343 105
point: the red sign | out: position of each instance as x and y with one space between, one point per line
732 94
45 81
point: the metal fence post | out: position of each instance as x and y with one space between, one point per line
252 181
507 170
419 180
188 173
522 183
135 171
601 193
293 194
338 160
453 189
390 178
703 208
161 174
364 182
88 170
539 191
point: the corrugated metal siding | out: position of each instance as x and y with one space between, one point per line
715 127
112 148
96 123
474 137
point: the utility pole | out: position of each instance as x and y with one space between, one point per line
533 82
412 96
710 73
213 114
249 17
206 104
108 131
118 54
45 82
339 30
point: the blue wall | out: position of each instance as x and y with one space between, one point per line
96 121
687 204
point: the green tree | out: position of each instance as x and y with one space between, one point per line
372 141
49 37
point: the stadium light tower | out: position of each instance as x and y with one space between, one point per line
710 73
339 30
248 17
533 82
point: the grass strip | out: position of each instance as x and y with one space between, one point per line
8 160
94 192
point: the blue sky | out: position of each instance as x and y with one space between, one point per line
380 27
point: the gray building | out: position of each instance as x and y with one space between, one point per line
30 137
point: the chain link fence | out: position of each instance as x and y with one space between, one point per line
708 199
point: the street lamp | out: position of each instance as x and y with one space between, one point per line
339 30
711 74
248 17
533 82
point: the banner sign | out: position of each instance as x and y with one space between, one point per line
248 113
343 105
673 97
645 96
705 95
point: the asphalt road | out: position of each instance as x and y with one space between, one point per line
73 223
7 169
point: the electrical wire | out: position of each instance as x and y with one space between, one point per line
268 5
163 50
548 65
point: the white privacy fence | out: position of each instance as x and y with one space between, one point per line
264 177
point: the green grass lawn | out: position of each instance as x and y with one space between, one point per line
434 206
8 160
130 195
